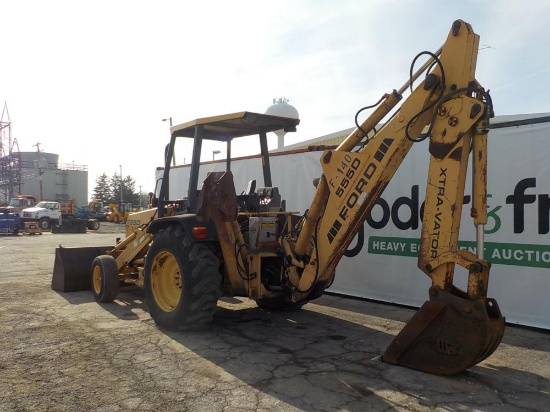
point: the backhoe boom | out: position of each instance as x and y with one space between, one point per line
454 109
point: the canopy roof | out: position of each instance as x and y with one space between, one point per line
229 126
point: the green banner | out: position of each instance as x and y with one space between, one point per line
514 254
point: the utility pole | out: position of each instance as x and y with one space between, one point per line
121 201
40 166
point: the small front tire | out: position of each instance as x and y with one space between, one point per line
105 281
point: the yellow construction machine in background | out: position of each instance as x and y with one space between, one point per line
119 212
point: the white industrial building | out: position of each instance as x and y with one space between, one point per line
45 178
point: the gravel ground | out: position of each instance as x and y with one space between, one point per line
65 352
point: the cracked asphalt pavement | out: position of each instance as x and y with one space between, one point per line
65 352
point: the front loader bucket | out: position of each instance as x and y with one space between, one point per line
448 334
73 267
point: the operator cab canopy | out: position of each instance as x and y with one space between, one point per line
223 128
229 126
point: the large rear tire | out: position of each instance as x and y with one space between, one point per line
92 224
105 280
182 283
44 223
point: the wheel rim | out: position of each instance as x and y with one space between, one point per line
166 283
96 280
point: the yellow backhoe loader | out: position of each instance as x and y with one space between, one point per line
119 212
186 253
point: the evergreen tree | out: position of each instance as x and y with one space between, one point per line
115 188
129 191
102 189
107 190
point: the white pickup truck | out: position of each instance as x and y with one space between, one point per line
45 213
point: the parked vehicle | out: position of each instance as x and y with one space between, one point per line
58 216
119 212
94 210
10 222
21 202
44 213
187 253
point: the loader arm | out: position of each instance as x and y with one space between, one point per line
455 109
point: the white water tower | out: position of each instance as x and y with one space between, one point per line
280 107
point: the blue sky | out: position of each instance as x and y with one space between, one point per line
92 80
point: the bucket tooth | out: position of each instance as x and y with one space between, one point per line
448 334
72 268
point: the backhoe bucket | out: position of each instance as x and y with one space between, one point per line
72 268
448 334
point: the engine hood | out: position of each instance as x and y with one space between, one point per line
34 209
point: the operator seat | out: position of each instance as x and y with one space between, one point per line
244 200
250 188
